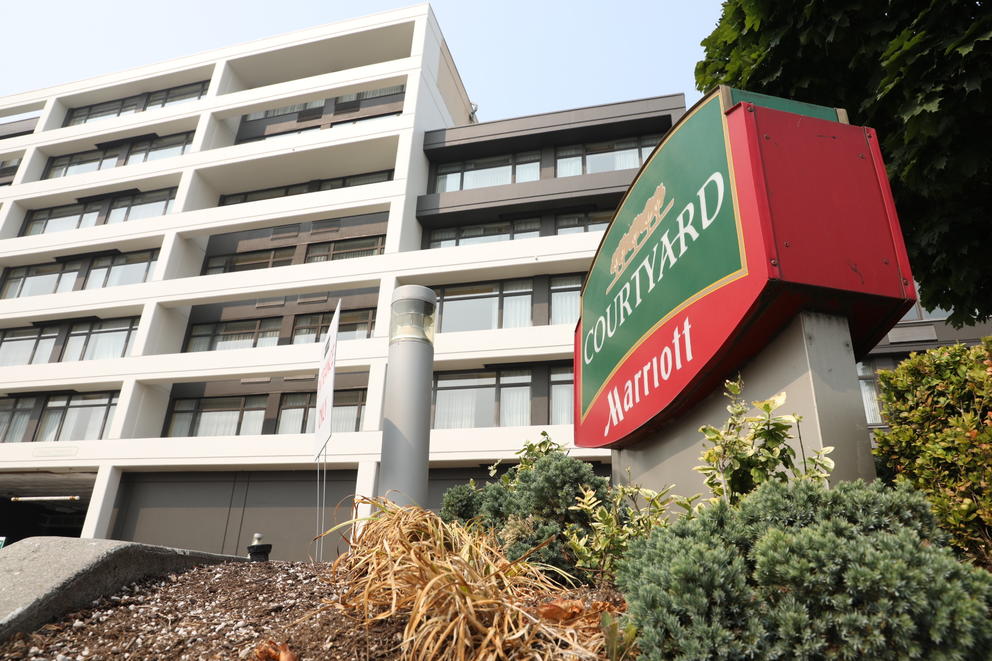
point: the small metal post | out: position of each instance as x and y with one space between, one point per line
257 551
406 424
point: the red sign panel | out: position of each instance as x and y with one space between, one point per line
701 267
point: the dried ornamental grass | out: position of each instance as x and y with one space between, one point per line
464 599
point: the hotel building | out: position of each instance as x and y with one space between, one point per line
174 240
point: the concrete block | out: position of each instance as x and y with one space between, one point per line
42 578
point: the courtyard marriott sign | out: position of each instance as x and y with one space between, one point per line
751 209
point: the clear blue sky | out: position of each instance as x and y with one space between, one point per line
517 57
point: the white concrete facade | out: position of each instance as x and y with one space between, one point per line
397 47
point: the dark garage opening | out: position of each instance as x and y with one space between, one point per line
36 518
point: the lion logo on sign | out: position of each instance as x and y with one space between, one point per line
643 225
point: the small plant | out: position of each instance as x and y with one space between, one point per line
530 503
750 451
620 638
629 512
528 454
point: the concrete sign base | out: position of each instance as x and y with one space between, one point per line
813 362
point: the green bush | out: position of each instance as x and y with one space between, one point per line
796 571
531 503
938 406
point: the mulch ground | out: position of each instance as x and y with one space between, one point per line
228 611
214 612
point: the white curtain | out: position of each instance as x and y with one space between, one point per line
516 311
457 409
870 399
564 307
217 423
497 176
82 424
344 418
514 406
106 345
561 404
12 426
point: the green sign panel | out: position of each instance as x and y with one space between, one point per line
671 242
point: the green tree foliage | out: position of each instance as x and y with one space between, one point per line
919 72
531 503
796 571
938 406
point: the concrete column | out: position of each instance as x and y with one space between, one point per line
365 485
387 283
195 192
813 363
52 115
375 390
212 132
11 219
169 326
32 166
141 410
224 80
180 257
101 509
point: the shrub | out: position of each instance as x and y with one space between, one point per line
531 503
749 451
801 572
938 406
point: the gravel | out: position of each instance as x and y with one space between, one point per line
228 611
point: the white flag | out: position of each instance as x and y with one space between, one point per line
325 384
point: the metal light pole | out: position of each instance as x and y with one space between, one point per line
406 424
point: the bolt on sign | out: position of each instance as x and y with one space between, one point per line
751 209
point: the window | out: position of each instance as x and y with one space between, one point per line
249 261
279 134
345 249
484 306
353 325
576 223
217 416
96 272
868 381
121 153
493 171
137 103
118 208
482 399
565 299
298 412
76 417
8 168
308 187
81 340
41 279
284 110
485 233
920 313
243 334
561 396
95 340
127 269
15 415
369 94
604 156
27 346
